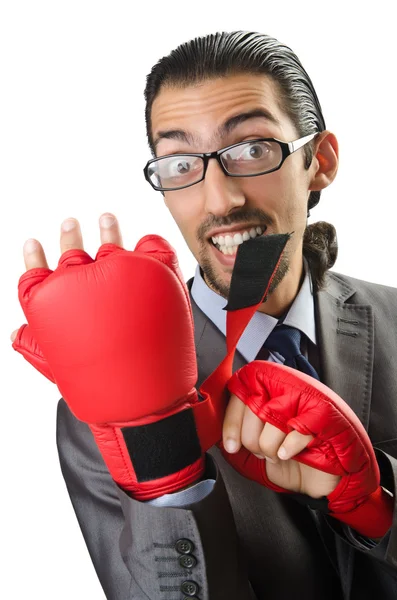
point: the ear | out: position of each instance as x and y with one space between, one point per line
325 161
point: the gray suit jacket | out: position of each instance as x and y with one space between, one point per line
250 543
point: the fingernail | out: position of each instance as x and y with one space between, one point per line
282 453
68 225
30 246
230 445
107 221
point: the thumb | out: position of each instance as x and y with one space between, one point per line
232 424
24 343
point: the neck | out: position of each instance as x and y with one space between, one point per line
281 299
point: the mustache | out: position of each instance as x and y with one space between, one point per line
213 221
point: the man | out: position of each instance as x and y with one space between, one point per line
243 98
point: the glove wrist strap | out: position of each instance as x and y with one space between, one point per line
373 517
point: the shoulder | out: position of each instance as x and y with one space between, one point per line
366 291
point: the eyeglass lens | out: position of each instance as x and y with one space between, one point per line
250 158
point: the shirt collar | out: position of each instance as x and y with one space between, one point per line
300 314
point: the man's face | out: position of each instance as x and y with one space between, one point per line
222 205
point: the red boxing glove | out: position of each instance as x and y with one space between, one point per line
116 336
291 400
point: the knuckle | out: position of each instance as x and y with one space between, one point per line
268 449
72 245
250 442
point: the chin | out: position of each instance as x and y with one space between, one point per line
216 278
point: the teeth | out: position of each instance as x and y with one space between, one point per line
228 250
238 238
228 241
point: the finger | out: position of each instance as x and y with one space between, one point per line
294 443
110 229
14 334
33 255
71 238
270 441
251 431
231 431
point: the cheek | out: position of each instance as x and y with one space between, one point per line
290 195
272 193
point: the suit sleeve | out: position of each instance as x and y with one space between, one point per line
147 552
374 566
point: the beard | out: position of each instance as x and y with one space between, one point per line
222 287
217 282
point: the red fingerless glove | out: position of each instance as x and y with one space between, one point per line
116 336
291 400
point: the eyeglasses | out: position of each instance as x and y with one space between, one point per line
245 159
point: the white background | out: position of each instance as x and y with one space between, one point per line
72 143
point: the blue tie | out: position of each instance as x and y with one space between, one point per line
286 341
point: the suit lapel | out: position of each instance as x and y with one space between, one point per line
345 338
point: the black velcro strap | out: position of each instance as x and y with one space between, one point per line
320 504
254 266
164 447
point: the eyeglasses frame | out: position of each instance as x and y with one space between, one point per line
287 148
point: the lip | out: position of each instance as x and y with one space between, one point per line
236 228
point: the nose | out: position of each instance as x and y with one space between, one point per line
221 193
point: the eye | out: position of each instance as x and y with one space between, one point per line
174 170
181 166
255 150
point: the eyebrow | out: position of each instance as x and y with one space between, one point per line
223 130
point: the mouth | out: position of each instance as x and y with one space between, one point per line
226 244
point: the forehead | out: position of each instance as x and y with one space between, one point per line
202 108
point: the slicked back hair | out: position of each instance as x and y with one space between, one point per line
232 53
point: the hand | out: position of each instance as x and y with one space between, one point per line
242 427
70 238
323 433
97 329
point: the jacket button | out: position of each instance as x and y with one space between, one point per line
184 546
188 561
190 588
